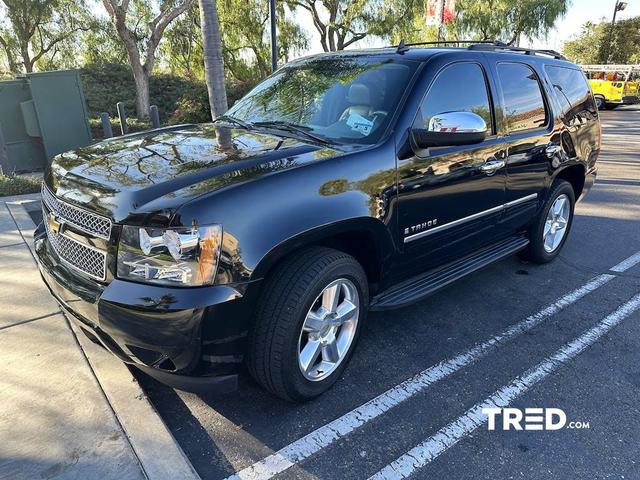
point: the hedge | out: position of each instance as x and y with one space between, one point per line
17 185
179 100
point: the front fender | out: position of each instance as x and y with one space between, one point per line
364 227
268 217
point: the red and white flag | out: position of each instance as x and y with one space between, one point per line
440 12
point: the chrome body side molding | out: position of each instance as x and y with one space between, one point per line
475 216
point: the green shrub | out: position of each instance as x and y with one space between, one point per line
179 100
16 185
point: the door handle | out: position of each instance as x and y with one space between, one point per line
552 150
492 166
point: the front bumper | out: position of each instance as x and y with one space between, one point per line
163 331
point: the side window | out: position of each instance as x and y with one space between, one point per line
460 87
571 89
522 97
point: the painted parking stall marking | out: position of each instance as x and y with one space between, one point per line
445 438
326 435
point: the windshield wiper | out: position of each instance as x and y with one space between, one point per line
234 120
292 127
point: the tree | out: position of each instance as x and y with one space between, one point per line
341 23
182 50
597 43
508 20
244 26
586 47
35 29
245 34
214 63
101 45
132 36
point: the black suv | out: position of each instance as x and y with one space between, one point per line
344 182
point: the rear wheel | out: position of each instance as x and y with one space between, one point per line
600 103
307 323
552 226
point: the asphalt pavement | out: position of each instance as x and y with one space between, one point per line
563 335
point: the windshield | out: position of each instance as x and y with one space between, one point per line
339 99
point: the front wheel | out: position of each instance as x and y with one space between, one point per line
307 323
552 226
600 103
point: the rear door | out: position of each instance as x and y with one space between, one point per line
580 132
448 204
527 125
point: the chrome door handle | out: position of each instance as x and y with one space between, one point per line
490 167
552 150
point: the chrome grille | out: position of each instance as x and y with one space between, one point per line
83 258
80 218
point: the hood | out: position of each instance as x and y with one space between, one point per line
156 172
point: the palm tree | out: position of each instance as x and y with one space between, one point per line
213 63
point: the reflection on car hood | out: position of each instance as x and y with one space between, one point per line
159 170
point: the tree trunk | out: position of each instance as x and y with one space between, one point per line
141 80
142 71
26 58
214 64
12 61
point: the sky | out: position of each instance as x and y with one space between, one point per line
580 12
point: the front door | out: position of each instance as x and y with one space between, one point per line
450 198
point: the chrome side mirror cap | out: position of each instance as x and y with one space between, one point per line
451 129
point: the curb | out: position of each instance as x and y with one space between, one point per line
160 455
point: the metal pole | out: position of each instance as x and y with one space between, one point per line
274 46
441 22
613 26
123 118
106 125
155 116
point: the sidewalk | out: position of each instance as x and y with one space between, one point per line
68 408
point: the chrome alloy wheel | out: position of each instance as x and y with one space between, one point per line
328 330
555 226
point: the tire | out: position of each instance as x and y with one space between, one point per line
600 103
277 339
537 251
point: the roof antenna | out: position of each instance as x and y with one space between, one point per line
402 47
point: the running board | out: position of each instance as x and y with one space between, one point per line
426 283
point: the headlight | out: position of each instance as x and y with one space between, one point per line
186 256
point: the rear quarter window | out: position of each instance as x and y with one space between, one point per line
524 107
571 90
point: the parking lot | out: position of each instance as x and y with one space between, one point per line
512 335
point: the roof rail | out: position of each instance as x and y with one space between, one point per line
404 47
500 46
483 45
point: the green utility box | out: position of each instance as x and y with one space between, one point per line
41 115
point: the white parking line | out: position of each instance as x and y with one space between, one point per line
626 264
327 434
448 436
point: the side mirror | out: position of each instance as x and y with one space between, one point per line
449 129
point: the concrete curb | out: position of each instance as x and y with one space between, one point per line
160 455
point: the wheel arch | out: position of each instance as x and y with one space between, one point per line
367 239
574 174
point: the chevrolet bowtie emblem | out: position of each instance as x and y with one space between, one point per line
55 225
